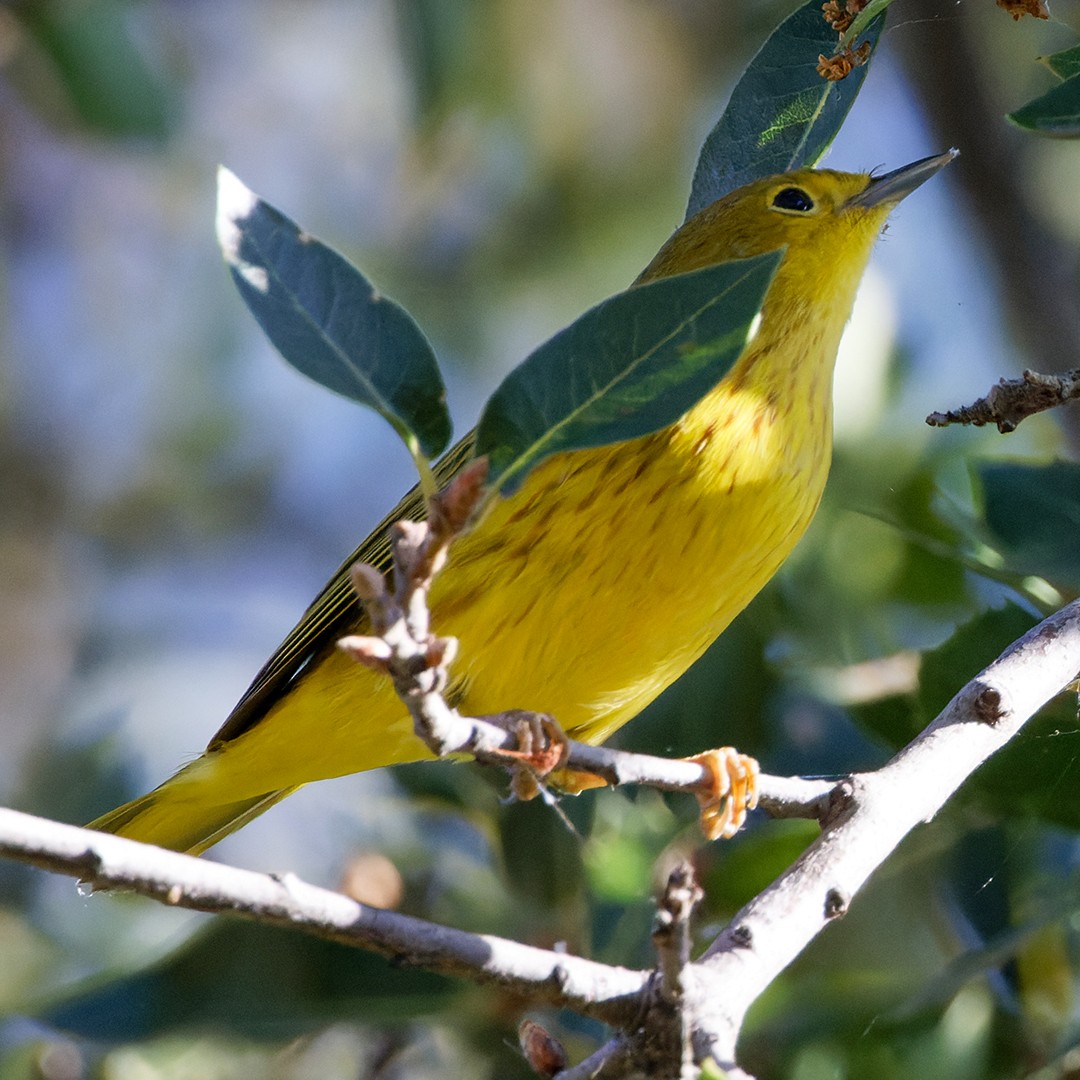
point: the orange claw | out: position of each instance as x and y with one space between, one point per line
730 793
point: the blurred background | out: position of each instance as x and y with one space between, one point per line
172 495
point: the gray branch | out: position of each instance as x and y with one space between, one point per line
607 993
1013 400
864 819
879 810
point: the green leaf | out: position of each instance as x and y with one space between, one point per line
328 320
943 671
1033 514
782 114
1035 774
104 75
972 646
931 572
1055 113
626 368
895 720
1064 64
1038 773
542 856
732 873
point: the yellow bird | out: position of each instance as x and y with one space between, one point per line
611 570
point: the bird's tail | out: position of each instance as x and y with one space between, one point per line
171 818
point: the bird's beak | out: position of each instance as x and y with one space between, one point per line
895 185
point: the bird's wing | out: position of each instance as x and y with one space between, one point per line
333 613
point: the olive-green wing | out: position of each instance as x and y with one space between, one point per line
333 613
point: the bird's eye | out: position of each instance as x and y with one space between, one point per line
793 198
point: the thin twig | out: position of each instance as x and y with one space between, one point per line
671 930
671 938
1013 400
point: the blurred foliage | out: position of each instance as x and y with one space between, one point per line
84 66
531 166
252 983
1057 112
1028 509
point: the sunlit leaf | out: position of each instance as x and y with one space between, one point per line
782 114
328 320
627 367
1064 64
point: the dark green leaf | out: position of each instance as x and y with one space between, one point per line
1033 512
627 367
1064 64
732 873
782 114
895 720
1057 112
944 670
1038 773
328 320
541 853
468 787
972 646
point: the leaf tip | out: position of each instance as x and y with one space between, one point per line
235 204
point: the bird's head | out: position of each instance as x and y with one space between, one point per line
826 220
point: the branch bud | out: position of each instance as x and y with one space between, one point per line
372 652
543 1052
367 582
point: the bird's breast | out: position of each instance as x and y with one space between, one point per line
610 572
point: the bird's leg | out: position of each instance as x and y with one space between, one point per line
731 792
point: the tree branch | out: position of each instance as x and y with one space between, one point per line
684 1013
606 993
864 819
671 936
881 808
1013 400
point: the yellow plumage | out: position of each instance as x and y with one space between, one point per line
600 582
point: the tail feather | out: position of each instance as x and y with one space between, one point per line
169 818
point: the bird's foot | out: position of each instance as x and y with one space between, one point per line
730 792
542 748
